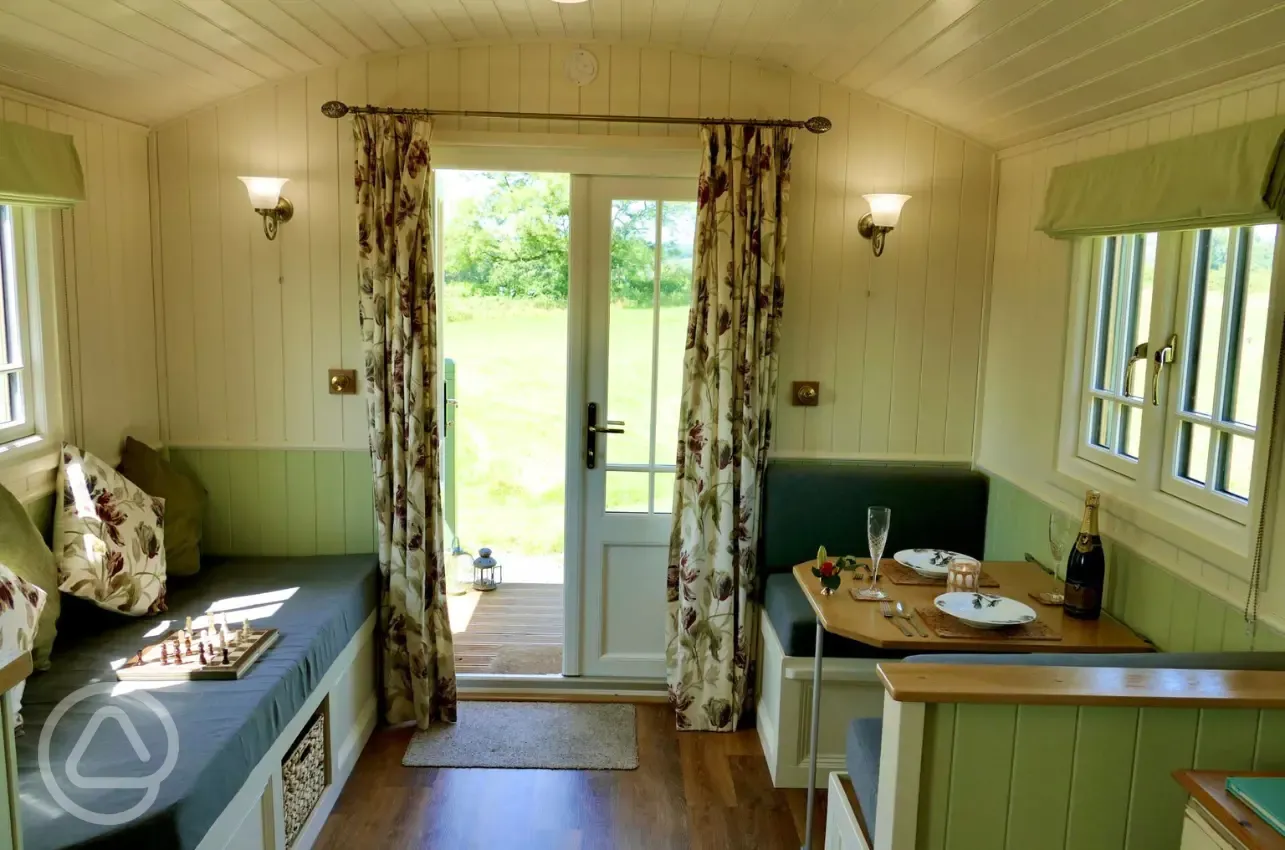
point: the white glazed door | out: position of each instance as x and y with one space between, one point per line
636 332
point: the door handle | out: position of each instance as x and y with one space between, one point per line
1162 359
593 429
1139 354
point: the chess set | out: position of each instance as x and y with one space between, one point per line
215 653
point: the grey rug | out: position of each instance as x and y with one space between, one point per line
548 735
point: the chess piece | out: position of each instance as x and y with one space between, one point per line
201 646
187 627
223 621
245 628
165 653
225 655
138 659
187 646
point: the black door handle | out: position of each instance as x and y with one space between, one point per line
593 429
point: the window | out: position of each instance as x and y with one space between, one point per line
16 419
1175 361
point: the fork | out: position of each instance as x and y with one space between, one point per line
885 608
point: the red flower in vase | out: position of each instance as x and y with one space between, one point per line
828 569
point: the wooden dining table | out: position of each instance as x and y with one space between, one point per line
863 621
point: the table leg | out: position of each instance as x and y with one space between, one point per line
815 732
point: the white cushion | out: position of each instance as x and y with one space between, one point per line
109 537
20 605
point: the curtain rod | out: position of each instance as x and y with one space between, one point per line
337 109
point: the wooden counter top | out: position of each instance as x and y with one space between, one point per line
1209 788
1083 686
842 615
15 671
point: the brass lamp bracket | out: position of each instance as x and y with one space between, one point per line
283 212
868 230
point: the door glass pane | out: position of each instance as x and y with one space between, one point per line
627 492
678 232
631 333
1248 356
1238 466
1206 312
1193 452
663 501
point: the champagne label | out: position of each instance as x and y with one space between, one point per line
1086 543
1082 599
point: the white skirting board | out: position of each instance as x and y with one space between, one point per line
850 689
254 819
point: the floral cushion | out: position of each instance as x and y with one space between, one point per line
109 537
20 605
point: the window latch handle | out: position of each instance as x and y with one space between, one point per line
1139 354
1163 358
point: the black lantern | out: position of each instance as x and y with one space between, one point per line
487 572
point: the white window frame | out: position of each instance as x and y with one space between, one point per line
1148 493
18 322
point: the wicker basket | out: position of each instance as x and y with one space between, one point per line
303 776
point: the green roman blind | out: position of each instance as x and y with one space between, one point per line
38 167
1233 176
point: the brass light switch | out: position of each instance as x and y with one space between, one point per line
805 393
343 381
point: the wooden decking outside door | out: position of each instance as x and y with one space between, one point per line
515 629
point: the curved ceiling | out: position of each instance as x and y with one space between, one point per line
1002 71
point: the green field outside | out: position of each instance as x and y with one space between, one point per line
510 433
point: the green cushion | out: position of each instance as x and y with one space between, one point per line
184 504
23 550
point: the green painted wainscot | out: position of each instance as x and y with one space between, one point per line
295 502
1170 612
1034 777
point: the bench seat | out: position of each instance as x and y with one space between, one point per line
224 728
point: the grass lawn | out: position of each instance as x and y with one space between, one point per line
510 432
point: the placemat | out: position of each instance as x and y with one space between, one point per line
901 574
947 626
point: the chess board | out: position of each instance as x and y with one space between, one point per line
147 665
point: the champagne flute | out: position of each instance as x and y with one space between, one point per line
878 521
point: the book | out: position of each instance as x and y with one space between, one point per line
1265 795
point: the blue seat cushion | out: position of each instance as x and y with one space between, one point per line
795 624
865 738
224 729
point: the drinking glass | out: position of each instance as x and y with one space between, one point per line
878 521
1061 532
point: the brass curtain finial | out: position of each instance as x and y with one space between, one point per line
336 109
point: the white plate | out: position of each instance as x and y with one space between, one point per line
934 563
983 610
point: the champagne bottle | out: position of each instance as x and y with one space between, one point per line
1086 565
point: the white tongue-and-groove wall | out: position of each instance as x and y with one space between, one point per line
102 265
252 326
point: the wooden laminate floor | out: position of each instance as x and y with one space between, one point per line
691 790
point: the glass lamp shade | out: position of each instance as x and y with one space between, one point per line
885 210
264 191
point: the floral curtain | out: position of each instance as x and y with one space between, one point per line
729 389
399 329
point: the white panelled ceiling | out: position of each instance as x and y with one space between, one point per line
1002 71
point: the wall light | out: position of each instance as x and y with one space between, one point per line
265 197
885 211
